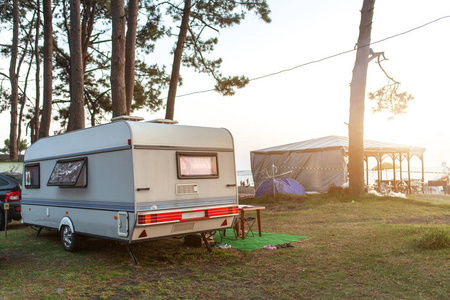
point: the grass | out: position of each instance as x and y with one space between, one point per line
365 247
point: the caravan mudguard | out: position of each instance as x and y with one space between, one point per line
66 221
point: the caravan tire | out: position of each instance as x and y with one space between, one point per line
69 239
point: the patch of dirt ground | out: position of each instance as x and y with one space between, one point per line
429 220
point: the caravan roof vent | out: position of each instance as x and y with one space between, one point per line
163 121
127 118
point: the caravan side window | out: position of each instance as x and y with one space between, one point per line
69 173
32 176
197 165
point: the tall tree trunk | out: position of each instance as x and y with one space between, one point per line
177 61
46 117
35 128
87 25
76 118
118 59
357 95
130 51
13 76
22 100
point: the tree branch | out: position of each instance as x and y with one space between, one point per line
96 69
59 50
198 17
4 6
66 25
26 48
202 59
385 73
378 56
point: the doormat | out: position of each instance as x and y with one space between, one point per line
252 243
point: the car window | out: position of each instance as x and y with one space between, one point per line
3 182
16 177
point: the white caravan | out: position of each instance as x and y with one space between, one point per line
131 181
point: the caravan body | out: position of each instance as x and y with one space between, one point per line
131 181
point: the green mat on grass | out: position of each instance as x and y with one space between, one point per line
252 243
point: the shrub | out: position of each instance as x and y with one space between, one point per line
334 189
435 238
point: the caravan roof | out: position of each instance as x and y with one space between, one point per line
124 134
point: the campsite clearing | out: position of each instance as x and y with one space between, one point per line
363 247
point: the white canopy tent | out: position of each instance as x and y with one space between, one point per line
320 163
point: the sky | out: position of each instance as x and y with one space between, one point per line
312 100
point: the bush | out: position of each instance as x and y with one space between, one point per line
435 238
334 189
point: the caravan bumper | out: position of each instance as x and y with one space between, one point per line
181 228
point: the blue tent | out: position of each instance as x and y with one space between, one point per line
282 186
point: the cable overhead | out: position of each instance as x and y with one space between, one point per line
328 57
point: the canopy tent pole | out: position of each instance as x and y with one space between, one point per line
408 158
401 172
379 162
423 174
393 168
273 180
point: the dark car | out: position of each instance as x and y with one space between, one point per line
10 192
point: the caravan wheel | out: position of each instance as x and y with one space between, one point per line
69 239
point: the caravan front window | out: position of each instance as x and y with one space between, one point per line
69 173
197 165
32 176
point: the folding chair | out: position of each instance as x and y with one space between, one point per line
250 223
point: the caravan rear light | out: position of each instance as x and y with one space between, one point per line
233 210
147 219
159 218
186 215
13 196
215 212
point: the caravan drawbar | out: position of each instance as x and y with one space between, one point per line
131 181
